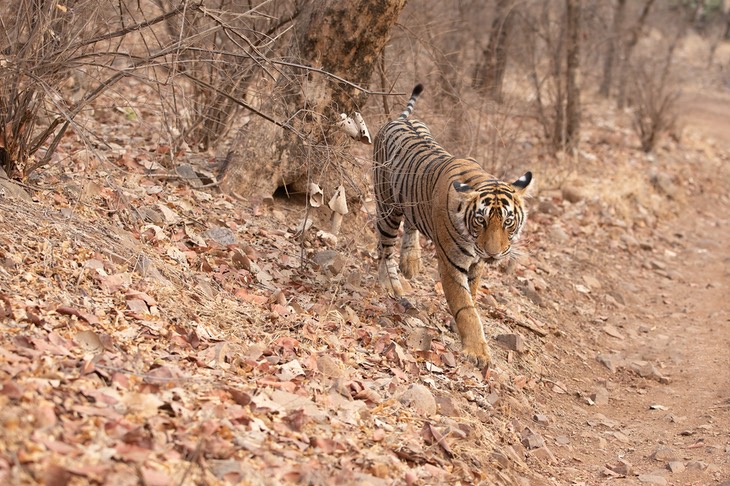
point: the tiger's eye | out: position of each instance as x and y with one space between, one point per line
479 219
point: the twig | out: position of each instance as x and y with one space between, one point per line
135 27
499 314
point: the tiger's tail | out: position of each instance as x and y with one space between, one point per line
411 102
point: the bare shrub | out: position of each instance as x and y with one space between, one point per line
655 106
56 59
552 38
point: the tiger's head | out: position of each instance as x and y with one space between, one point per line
492 214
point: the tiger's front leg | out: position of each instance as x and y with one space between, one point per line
468 323
410 252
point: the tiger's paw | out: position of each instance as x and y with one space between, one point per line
478 353
410 264
388 277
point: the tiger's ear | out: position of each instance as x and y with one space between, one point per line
461 187
523 183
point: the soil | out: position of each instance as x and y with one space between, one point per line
132 354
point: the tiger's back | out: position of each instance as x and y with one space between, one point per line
470 216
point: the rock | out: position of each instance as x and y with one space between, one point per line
562 440
544 454
600 396
329 367
447 407
676 466
558 234
9 188
591 282
501 459
513 456
541 419
612 331
547 206
188 174
533 441
419 398
330 261
652 479
609 361
664 184
657 265
528 290
623 467
573 194
665 454
221 235
493 399
648 370
697 465
419 339
513 342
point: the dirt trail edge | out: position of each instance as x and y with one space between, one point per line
657 407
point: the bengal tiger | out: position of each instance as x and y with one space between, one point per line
470 215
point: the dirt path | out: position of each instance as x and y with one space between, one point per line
667 419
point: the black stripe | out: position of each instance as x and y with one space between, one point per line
456 314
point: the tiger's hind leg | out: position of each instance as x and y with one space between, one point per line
388 223
410 252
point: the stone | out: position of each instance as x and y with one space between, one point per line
513 342
623 467
528 290
544 454
533 441
548 207
652 479
500 458
573 194
562 440
447 406
221 235
419 339
330 261
557 234
329 367
612 331
649 371
9 188
676 466
600 396
541 419
665 454
188 174
419 398
664 184
697 465
609 361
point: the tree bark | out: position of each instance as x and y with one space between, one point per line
489 74
628 49
618 22
572 91
343 39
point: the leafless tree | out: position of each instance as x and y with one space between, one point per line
490 69
304 96
619 11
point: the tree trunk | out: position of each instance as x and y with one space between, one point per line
618 23
630 43
572 91
342 39
489 73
